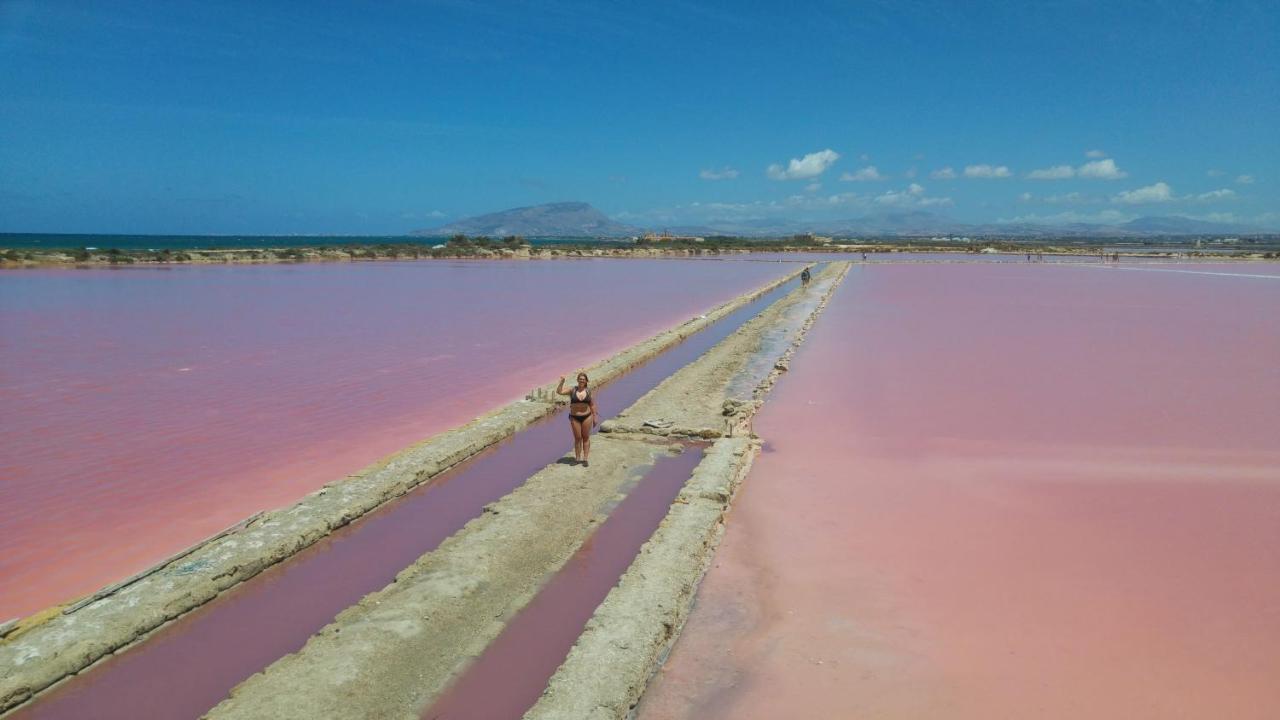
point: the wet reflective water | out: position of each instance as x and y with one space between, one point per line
187 666
509 676
998 491
146 408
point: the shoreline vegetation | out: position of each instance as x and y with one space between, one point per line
516 247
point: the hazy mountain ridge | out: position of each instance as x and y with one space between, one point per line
562 219
580 219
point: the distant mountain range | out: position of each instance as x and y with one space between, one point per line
563 219
579 219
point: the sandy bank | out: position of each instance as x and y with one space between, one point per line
397 650
634 628
718 393
389 654
53 645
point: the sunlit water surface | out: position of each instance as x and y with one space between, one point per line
1007 491
145 408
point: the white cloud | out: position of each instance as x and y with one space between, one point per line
1222 194
1244 179
1108 217
1101 170
1095 154
1215 173
839 199
866 174
1158 193
724 173
987 171
436 214
1071 198
813 187
811 165
945 173
1096 169
864 157
757 210
910 173
1057 172
912 196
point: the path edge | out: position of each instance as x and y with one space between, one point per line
43 649
631 633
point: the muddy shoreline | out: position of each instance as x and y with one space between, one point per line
45 648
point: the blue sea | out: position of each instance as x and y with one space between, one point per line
203 242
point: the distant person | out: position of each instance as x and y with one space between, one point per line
582 416
805 276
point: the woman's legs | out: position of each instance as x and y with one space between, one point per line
586 436
577 437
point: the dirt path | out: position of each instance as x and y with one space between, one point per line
388 655
631 632
395 651
719 392
53 645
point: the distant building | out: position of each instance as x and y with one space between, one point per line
668 237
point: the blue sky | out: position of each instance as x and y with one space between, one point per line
262 117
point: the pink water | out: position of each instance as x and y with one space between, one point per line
509 676
190 664
1006 491
145 408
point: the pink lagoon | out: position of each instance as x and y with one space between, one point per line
1007 491
146 408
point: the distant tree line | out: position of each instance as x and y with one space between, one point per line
484 241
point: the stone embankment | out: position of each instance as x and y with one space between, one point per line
46 648
632 631
397 650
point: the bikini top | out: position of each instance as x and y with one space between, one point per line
573 396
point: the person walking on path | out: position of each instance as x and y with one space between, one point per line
804 277
582 416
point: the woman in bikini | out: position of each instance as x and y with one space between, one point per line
582 415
